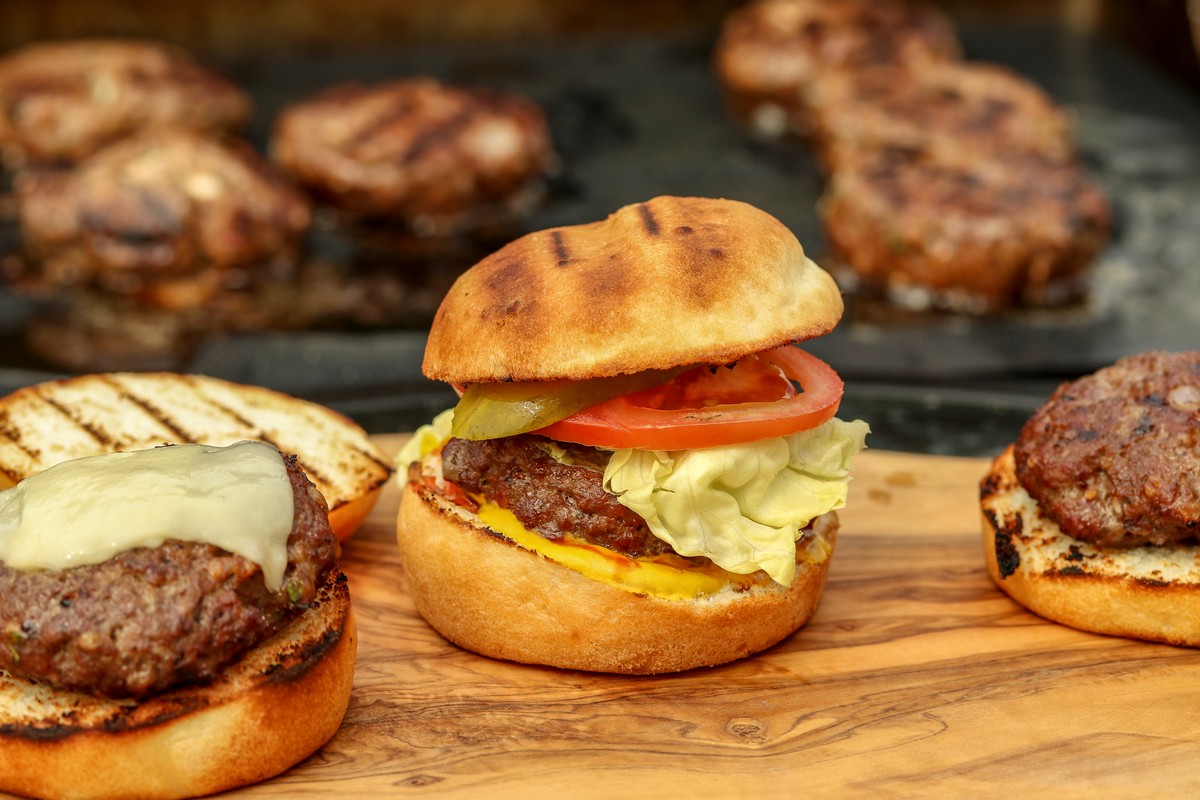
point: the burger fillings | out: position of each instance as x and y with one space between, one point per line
680 376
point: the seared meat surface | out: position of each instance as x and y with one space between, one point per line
549 497
971 234
964 109
150 619
169 217
771 53
63 101
1113 457
412 148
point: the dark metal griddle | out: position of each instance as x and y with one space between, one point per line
642 117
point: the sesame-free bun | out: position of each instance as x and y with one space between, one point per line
488 595
267 712
669 282
1146 592
100 413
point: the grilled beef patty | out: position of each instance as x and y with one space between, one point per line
972 109
1113 457
62 101
550 497
168 217
412 148
969 234
771 53
150 619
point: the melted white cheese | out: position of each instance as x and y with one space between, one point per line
87 510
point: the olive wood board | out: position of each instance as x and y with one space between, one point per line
915 677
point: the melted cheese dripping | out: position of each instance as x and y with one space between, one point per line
87 510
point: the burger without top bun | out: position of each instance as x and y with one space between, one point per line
1091 517
642 472
174 623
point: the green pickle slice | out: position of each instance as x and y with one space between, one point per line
495 410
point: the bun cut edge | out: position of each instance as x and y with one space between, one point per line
534 610
279 704
1147 592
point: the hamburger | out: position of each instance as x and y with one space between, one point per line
175 623
642 472
1091 517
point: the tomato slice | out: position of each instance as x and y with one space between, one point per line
709 407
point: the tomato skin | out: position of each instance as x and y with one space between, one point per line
628 422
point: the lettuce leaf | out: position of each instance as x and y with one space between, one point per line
744 505
424 440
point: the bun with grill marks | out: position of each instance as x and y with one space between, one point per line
56 421
673 280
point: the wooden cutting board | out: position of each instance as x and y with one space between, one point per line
915 677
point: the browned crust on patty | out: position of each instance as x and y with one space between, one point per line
771 53
969 234
970 110
413 148
1113 457
62 101
163 216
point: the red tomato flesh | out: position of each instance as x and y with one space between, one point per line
712 406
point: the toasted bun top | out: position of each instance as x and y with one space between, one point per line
668 282
55 421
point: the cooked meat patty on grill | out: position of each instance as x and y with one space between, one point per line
1113 457
150 619
548 496
969 234
413 149
969 109
771 52
169 216
62 101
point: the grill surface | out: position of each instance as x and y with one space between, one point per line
637 118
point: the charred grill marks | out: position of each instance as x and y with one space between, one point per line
648 220
560 248
69 413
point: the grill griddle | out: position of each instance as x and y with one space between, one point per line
638 118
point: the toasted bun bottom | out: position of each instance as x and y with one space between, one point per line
1147 592
272 709
488 595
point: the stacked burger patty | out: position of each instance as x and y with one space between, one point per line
949 183
148 222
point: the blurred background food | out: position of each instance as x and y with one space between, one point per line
120 260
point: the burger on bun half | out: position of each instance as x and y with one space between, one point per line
642 471
175 623
1091 517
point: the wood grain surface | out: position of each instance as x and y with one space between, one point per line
916 677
